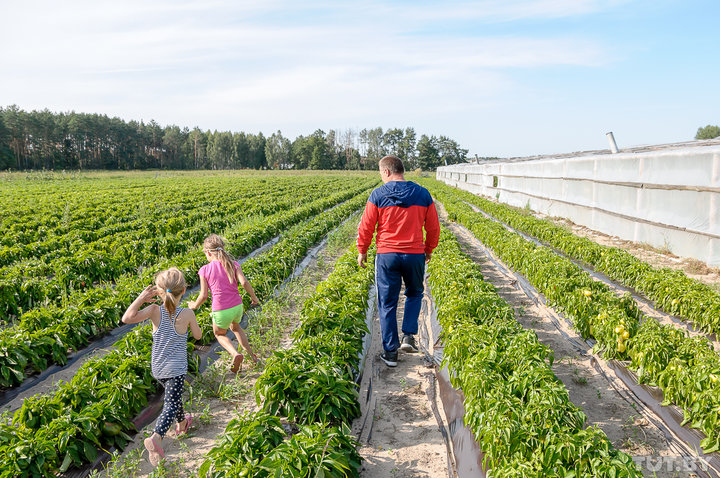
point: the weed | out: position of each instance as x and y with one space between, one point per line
578 378
666 249
122 466
379 415
696 266
234 389
167 469
569 359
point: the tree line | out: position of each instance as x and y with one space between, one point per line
708 132
54 141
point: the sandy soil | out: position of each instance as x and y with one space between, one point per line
185 455
628 426
401 437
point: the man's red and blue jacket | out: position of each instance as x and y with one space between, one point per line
400 210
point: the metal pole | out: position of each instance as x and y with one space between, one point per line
613 145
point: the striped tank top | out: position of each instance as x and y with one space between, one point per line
169 349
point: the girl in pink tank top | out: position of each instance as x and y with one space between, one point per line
222 276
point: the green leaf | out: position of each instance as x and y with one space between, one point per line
204 468
90 452
66 463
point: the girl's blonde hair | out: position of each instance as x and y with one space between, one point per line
171 285
216 247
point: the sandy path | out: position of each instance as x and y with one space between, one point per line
623 421
401 437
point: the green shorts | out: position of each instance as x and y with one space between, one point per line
223 318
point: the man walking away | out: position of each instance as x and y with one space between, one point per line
399 209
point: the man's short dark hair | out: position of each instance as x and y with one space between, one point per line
392 164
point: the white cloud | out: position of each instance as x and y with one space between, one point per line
276 65
504 10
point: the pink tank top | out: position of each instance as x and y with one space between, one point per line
225 294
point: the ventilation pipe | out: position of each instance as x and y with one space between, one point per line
613 145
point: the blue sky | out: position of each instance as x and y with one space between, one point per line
503 78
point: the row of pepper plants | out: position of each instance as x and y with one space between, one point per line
39 221
685 368
312 385
671 290
517 409
35 211
76 264
47 282
95 409
39 281
46 336
59 221
90 222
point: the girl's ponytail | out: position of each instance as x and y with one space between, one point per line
228 264
170 303
171 285
215 245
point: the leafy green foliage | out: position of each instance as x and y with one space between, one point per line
708 132
45 335
685 368
519 412
671 290
307 388
316 451
246 441
71 424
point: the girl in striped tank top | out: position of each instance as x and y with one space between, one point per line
169 360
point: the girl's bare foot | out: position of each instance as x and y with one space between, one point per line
236 363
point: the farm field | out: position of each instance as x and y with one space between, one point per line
533 340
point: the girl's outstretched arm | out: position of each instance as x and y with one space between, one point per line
133 314
194 327
242 280
195 304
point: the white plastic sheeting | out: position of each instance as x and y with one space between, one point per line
668 198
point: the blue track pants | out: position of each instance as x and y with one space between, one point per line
391 270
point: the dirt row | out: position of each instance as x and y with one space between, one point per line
398 432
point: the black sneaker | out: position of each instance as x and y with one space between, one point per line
408 344
390 358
